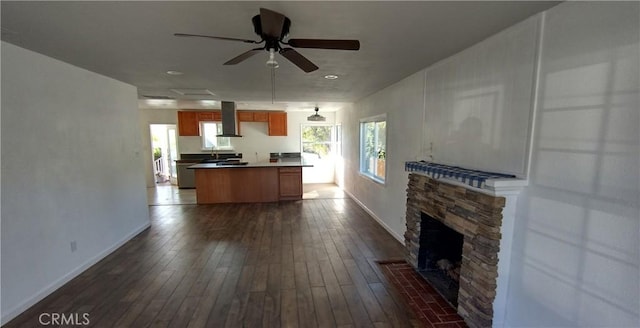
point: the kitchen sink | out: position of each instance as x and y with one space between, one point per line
229 163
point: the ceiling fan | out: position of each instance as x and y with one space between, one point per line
273 29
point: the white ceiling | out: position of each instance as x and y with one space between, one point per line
133 42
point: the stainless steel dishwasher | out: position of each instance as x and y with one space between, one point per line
186 177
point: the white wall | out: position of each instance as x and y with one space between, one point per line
255 139
71 171
576 247
403 103
575 253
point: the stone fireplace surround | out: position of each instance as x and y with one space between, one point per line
478 215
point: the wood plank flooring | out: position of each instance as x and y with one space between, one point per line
307 263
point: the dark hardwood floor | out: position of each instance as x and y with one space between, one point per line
291 264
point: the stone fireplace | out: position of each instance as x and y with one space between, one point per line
477 216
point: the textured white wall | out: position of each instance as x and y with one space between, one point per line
71 171
576 245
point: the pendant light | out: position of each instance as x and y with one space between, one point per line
316 117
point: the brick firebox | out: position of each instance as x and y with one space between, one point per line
477 216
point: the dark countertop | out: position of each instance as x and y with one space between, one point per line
282 163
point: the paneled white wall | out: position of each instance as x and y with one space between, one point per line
71 172
575 253
576 249
478 103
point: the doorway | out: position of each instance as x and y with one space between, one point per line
164 150
318 149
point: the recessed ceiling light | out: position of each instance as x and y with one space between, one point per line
174 73
330 77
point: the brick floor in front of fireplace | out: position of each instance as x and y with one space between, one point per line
425 302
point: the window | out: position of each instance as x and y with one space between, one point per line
373 147
316 142
209 139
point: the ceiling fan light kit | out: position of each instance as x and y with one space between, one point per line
271 62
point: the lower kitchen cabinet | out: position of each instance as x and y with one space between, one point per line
290 179
247 183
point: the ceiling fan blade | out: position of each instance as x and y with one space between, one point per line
272 23
325 44
215 37
243 56
298 59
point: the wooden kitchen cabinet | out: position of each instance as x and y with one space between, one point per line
244 116
210 116
290 180
247 184
260 117
253 116
278 124
188 124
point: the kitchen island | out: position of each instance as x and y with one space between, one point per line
248 183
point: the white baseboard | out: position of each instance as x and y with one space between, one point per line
9 315
375 217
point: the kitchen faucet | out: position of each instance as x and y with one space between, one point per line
214 153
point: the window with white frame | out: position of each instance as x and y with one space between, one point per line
209 139
373 147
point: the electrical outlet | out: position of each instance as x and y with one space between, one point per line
74 246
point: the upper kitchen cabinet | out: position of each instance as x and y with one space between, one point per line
188 124
210 116
260 117
278 124
189 121
244 116
252 116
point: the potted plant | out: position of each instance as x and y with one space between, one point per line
380 164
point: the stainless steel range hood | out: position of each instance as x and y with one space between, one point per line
229 120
